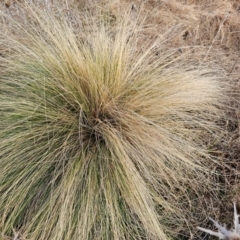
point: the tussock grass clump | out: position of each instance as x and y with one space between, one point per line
101 134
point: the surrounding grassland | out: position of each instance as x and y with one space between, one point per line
118 119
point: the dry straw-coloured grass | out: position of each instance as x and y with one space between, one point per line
101 138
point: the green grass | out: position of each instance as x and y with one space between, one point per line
100 138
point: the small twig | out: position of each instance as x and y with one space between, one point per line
223 233
16 235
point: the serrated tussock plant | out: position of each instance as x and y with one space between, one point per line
100 135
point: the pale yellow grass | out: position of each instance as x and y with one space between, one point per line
103 132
